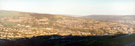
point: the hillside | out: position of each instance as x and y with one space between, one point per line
15 24
127 19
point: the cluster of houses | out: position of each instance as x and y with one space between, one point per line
62 26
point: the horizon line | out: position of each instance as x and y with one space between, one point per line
66 14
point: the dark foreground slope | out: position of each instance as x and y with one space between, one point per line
55 40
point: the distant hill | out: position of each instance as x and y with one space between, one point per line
127 19
15 24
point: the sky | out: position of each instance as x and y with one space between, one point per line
71 7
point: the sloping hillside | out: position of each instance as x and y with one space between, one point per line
21 25
127 19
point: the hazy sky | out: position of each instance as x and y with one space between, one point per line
71 7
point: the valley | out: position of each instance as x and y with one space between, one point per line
15 24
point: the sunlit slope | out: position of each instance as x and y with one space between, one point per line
21 24
11 13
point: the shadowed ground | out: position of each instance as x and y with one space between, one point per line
55 40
